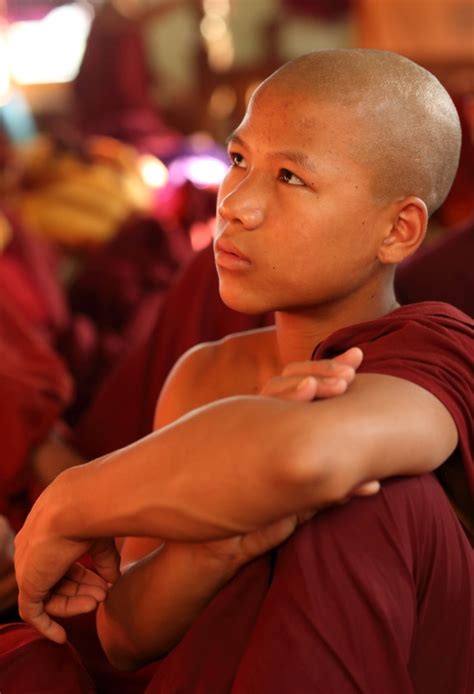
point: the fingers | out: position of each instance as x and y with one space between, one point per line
80 582
264 539
367 489
352 357
291 388
342 366
33 613
64 606
304 388
305 516
79 591
304 381
60 605
106 559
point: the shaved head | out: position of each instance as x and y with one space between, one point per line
406 128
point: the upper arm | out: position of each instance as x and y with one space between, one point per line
382 426
183 389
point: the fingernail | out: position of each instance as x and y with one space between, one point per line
305 383
339 382
346 370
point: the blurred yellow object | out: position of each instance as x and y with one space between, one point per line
5 232
78 196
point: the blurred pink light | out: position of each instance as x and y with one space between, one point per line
201 171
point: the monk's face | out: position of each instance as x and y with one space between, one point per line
297 222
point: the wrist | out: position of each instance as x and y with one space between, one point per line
64 500
203 559
224 556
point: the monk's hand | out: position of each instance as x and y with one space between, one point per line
44 554
310 380
233 552
81 590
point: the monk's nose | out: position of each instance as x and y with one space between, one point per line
236 207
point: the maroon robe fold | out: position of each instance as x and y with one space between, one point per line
31 664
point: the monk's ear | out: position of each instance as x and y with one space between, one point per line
405 231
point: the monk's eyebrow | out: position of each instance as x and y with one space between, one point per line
298 157
233 137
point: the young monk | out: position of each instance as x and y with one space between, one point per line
338 162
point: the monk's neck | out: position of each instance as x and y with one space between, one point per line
298 332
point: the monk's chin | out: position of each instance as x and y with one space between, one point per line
243 304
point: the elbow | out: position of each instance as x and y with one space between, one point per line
121 658
119 648
315 465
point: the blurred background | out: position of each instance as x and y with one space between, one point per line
171 78
195 61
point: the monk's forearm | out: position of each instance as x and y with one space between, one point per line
240 463
222 470
156 600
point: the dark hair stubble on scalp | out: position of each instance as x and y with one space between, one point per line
407 127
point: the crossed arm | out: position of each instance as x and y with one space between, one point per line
241 462
227 469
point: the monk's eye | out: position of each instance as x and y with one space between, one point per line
237 160
288 176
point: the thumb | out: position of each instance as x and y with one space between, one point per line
351 357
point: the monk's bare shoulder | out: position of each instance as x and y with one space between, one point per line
238 364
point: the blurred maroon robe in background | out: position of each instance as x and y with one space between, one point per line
29 275
34 389
192 312
458 208
106 300
441 271
114 85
